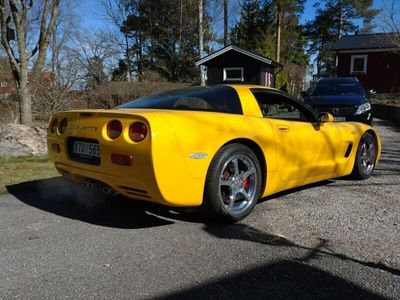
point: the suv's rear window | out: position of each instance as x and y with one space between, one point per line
216 99
336 87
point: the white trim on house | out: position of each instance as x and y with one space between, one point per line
368 50
353 57
233 78
237 49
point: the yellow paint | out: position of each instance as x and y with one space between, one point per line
296 153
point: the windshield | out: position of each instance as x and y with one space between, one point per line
216 99
337 87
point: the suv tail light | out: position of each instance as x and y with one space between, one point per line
114 129
138 131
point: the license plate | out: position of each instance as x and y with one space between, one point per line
339 119
86 149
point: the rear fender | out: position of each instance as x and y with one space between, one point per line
200 135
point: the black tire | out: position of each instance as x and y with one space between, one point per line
364 163
233 184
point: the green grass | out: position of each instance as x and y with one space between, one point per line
22 169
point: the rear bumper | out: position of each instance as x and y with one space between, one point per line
128 187
144 180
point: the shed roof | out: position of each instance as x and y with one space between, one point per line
388 40
240 50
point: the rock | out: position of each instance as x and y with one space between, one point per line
21 140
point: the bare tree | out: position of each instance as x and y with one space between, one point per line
66 31
93 52
15 17
116 12
390 18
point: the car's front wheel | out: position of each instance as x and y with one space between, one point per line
233 183
364 163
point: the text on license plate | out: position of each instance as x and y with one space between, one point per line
339 119
85 148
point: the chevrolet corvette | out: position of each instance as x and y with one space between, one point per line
221 148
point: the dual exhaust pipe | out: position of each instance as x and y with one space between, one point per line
106 189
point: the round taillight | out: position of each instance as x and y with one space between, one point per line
62 127
138 131
114 129
53 126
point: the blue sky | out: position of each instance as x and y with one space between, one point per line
90 12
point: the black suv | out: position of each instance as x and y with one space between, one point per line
343 97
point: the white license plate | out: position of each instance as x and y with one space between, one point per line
339 119
85 148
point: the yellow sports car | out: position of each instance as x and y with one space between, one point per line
220 147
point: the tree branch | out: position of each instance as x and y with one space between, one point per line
4 41
44 37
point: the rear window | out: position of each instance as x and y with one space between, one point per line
215 99
331 87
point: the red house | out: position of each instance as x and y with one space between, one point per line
373 58
7 83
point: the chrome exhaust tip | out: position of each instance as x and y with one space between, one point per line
106 190
109 191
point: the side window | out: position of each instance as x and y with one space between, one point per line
277 106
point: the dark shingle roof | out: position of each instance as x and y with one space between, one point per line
240 50
367 41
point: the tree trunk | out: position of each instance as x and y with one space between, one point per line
202 77
25 103
278 33
225 23
341 20
128 60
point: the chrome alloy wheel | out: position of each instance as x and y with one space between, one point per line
367 155
238 183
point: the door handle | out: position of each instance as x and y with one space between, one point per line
283 128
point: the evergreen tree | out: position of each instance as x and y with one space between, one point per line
166 37
257 31
333 19
120 72
248 31
95 75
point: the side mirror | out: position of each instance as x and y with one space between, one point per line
325 117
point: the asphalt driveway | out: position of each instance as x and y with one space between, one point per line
335 239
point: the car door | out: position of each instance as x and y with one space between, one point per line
304 147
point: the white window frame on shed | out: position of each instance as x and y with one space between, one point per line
241 69
353 57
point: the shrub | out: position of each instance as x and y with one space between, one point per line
114 93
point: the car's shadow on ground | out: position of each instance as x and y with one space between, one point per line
279 280
68 199
63 197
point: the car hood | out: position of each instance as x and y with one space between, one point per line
336 100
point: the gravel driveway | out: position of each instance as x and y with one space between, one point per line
335 239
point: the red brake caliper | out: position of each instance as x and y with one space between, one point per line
246 184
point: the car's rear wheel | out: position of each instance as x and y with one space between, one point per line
364 163
233 183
